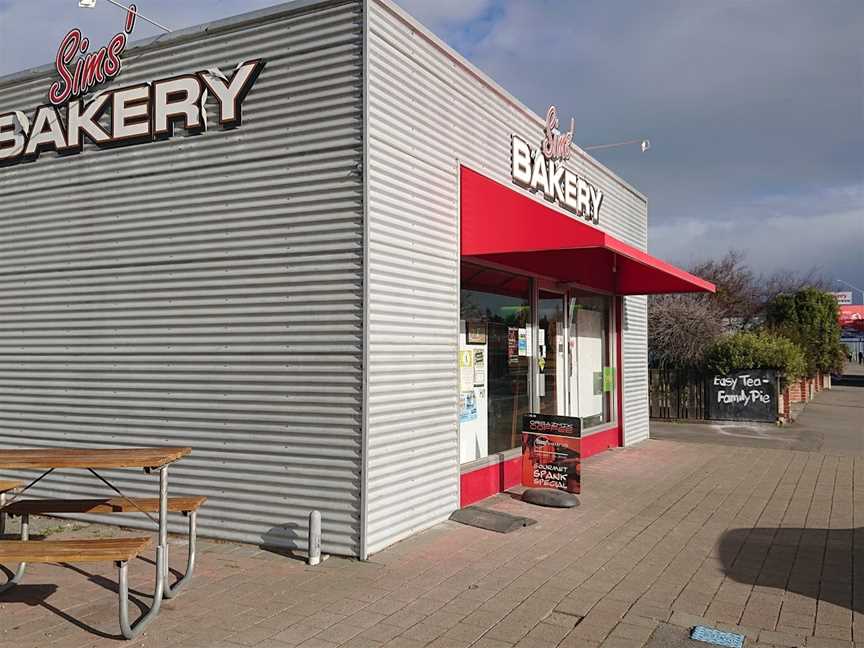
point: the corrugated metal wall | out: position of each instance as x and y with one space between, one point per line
634 348
428 111
203 291
413 292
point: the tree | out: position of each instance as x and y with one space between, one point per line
787 281
680 328
808 317
739 296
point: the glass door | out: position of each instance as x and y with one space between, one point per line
591 374
551 354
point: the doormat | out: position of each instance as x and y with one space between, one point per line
490 520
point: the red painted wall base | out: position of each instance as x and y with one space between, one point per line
488 480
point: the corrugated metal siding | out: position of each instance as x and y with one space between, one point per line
203 291
428 110
634 347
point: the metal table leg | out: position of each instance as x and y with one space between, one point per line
22 567
173 590
130 631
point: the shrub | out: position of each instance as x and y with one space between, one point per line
756 350
808 318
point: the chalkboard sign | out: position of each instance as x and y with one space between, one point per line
749 395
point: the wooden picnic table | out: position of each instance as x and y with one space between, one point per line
119 550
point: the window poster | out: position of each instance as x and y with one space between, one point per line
466 370
512 346
608 379
523 342
467 406
475 332
479 368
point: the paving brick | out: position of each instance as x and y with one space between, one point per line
724 611
381 632
621 642
563 620
485 642
781 639
547 634
833 632
687 620
824 642
579 602
314 642
404 619
631 631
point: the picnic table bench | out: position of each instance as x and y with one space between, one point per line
118 550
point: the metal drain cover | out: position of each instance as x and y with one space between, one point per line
717 637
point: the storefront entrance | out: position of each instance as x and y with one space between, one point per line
545 322
528 347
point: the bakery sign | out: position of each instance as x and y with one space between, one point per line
541 169
133 114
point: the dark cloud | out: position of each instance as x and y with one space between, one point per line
755 109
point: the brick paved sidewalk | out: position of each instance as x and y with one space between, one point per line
756 540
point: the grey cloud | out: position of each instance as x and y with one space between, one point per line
822 231
742 101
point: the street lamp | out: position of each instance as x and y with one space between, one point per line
91 4
644 144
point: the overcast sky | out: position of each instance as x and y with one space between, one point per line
755 108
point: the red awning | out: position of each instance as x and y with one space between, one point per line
509 228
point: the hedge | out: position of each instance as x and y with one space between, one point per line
756 350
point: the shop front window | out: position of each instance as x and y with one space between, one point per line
592 377
494 346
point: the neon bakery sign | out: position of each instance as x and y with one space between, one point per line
91 68
542 170
133 114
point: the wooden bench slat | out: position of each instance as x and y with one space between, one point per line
74 551
9 484
45 458
108 505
